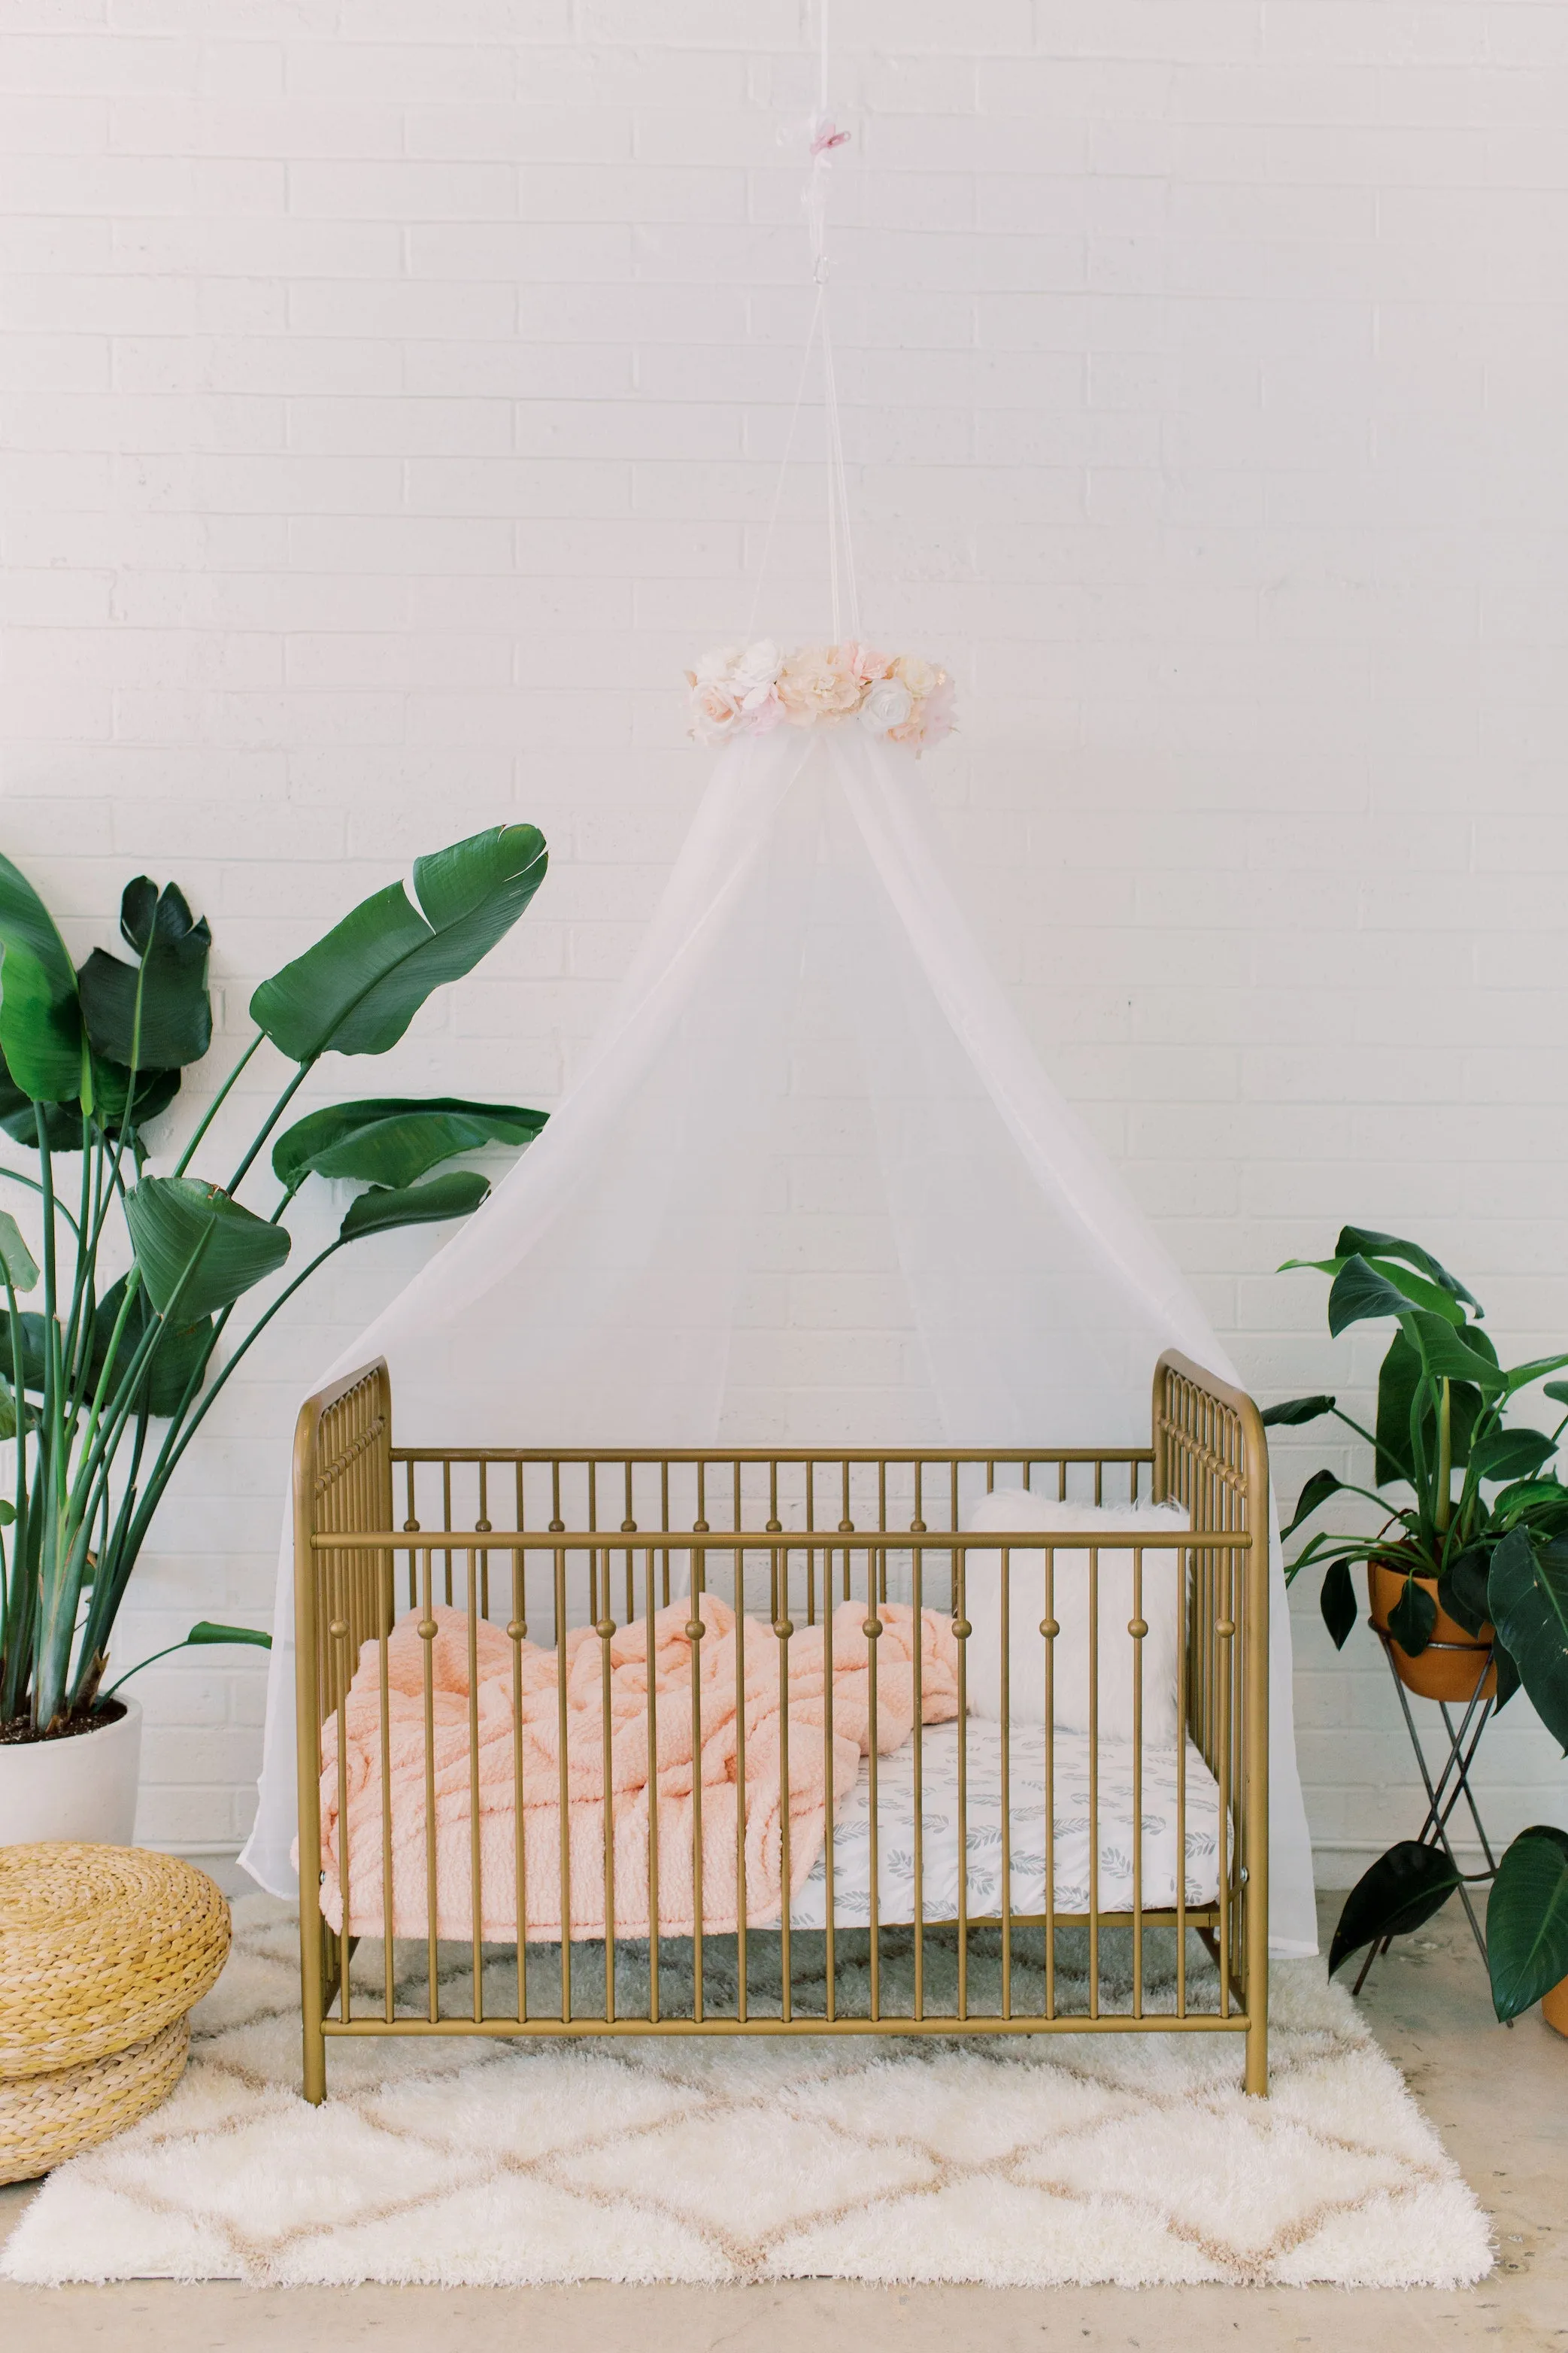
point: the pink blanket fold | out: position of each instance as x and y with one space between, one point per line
637 1768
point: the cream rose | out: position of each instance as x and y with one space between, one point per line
888 704
755 666
715 709
716 663
918 674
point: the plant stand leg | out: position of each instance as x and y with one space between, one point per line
1444 1794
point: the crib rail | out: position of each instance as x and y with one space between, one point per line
457 1606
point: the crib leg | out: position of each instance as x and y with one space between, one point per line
312 1998
315 2070
1257 2082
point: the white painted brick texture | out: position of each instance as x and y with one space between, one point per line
388 405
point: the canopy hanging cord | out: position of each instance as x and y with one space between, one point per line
824 138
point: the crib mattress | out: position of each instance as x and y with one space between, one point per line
1026 1810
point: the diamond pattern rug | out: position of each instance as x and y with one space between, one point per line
1129 2158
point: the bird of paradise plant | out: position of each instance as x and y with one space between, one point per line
105 1386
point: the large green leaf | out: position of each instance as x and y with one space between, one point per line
394 1139
1317 1491
1336 1602
1448 1356
16 1261
384 1208
1527 1919
1359 1292
1521 1377
1413 1287
1542 1503
1295 1410
19 1117
176 1355
1413 1621
1366 1242
1527 1596
1400 1891
155 1090
196 1245
1508 1454
205 1631
357 991
8 1410
156 1013
31 1330
1507 1676
40 1015
1462 1588
1397 1382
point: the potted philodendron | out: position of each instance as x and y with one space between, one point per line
1468 1578
135 1279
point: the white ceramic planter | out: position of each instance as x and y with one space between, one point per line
83 1788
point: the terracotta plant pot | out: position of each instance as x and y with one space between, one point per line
1450 1665
1554 2006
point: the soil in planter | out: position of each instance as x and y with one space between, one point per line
18 1729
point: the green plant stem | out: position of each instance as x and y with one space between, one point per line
127 1117
53 1571
32 1186
213 1108
151 1661
174 1445
79 1326
14 1648
1444 1500
132 1286
97 1468
1340 1416
274 1115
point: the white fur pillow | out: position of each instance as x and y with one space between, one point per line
1016 1507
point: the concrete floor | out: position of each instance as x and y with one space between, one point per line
1498 2098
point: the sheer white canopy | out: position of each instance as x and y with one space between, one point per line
813 1187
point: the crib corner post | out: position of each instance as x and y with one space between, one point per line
1257 1670
313 2073
1256 2082
308 1765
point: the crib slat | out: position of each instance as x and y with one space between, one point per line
517 1630
605 1631
740 1898
1094 1781
432 1893
563 1814
694 1634
476 1864
830 1947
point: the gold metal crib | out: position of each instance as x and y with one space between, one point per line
535 1540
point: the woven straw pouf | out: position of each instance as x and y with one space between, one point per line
104 1951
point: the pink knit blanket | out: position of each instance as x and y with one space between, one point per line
651 1752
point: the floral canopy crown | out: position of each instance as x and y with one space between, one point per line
749 690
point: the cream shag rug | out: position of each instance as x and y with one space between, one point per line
1131 2160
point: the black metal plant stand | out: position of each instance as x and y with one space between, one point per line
1451 1785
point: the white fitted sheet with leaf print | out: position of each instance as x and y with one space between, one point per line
1111 1814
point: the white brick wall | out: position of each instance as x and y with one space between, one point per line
390 385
